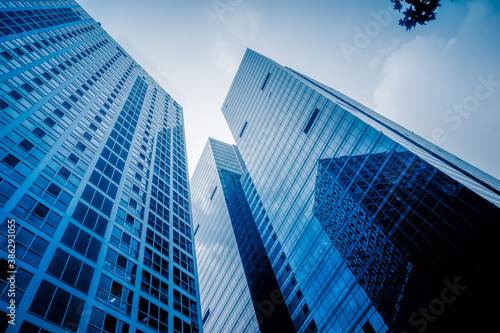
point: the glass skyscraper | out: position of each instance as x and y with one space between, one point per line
93 182
239 290
368 227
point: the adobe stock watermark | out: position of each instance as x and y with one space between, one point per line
158 74
456 114
421 318
266 308
11 264
223 7
363 36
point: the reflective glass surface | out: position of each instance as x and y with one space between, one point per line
375 224
93 171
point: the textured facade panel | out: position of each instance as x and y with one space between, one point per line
93 172
375 224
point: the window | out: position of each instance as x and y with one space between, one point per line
154 286
23 279
128 222
26 145
15 95
3 104
215 189
185 305
125 242
47 76
71 270
57 306
58 113
182 242
66 105
104 322
63 172
120 266
39 132
29 246
38 82
368 328
49 121
18 51
27 88
51 193
182 327
97 199
10 160
28 327
182 227
184 281
37 214
6 191
153 316
311 120
205 316
183 260
104 184
155 262
158 224
6 55
157 241
265 81
81 241
114 294
89 218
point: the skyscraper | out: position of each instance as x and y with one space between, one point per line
239 291
93 182
368 227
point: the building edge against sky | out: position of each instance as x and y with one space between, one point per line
347 196
239 291
93 171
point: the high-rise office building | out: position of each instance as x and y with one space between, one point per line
239 290
368 227
93 182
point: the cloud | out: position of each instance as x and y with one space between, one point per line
423 81
225 59
244 24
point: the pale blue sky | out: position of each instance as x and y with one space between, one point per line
441 81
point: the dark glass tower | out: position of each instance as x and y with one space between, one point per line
93 172
368 227
239 291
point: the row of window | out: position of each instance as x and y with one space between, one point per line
29 247
115 295
37 214
18 21
71 270
57 306
81 241
44 43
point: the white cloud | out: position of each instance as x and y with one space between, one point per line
427 77
225 59
244 24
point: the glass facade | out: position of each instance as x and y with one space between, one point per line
93 177
239 291
368 227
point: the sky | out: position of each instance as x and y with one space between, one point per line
441 80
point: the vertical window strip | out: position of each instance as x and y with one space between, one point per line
311 120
